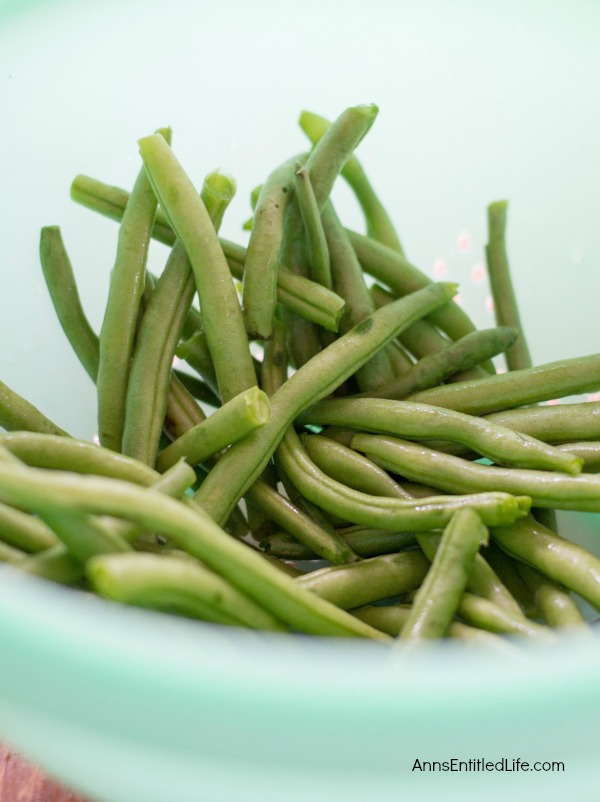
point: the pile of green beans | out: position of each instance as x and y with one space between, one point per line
305 451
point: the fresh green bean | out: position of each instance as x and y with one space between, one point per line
221 312
364 541
482 613
506 568
506 309
58 274
347 466
437 599
198 389
560 560
18 414
124 295
349 283
23 531
182 410
588 452
299 294
482 580
10 555
191 530
556 605
456 475
69 454
195 352
237 418
387 513
175 585
367 581
379 225
517 387
317 249
438 367
323 542
245 461
559 423
262 258
424 422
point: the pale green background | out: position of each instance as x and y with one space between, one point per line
479 101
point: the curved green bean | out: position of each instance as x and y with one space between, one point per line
506 308
221 313
438 597
316 242
18 414
483 613
556 604
559 423
24 532
364 541
60 280
456 475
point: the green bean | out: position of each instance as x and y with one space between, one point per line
10 555
262 259
60 281
367 581
363 540
18 414
69 454
506 309
175 585
195 352
425 422
391 619
349 283
399 358
553 556
158 335
401 277
517 387
221 312
318 251
437 599
82 534
588 452
482 613
191 530
274 367
60 565
554 424
482 580
387 513
379 225
304 297
347 466
323 542
556 605
23 531
456 475
438 367
124 295
241 415
507 570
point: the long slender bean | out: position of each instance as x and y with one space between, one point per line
456 475
18 414
379 224
176 585
195 352
556 604
370 580
437 599
588 452
245 461
237 418
60 280
438 367
363 540
23 531
221 313
262 257
506 309
553 424
124 295
482 613
517 387
191 530
424 422
316 242
553 556
182 410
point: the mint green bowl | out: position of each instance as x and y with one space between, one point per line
478 102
